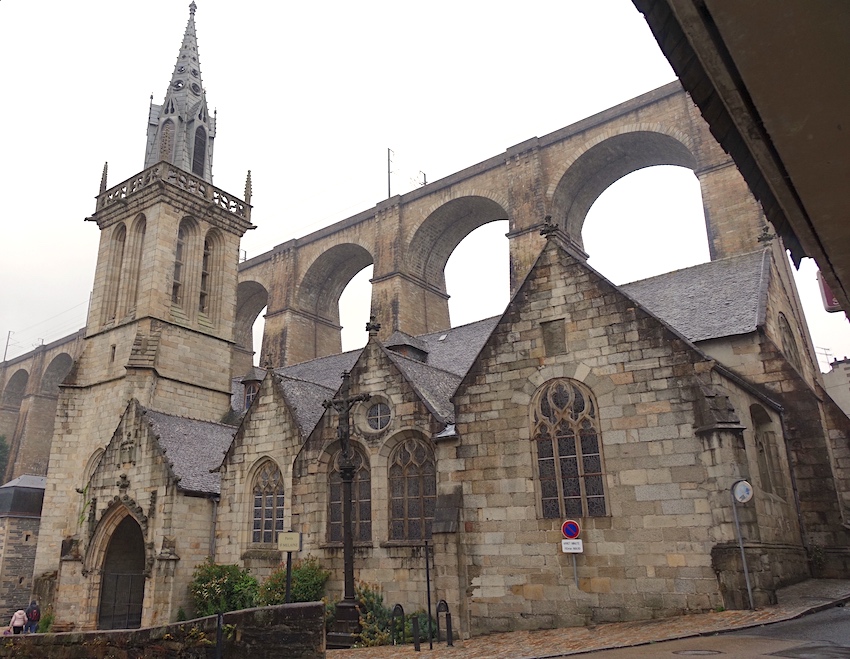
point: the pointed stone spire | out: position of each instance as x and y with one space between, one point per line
103 177
181 131
248 188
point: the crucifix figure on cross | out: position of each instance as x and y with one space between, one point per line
347 613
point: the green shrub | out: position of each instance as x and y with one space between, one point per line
308 583
45 623
221 588
375 620
374 617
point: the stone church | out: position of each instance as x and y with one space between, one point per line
631 409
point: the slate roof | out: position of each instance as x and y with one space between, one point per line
305 400
711 300
400 339
434 386
707 301
324 371
193 448
28 480
456 352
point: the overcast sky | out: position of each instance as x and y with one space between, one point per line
310 96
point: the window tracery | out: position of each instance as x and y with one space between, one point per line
204 298
565 429
361 499
179 256
268 504
413 490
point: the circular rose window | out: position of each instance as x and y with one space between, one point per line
378 416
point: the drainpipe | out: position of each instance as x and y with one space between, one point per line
215 501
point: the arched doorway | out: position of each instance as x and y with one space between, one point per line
122 586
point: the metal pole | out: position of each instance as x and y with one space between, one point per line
219 636
389 164
5 352
428 581
743 554
288 597
575 570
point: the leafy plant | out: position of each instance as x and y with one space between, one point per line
374 616
220 588
422 615
46 622
308 583
375 619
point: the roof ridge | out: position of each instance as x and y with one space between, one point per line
146 410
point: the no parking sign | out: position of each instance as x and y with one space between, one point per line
571 530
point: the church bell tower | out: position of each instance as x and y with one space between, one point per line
163 305
161 321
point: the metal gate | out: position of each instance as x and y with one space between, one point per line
121 596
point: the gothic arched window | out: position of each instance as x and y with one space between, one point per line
361 499
179 265
789 345
413 490
119 240
268 504
200 153
565 428
204 298
767 447
137 243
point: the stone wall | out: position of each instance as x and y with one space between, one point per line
769 566
667 474
255 633
18 538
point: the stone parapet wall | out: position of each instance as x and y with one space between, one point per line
770 567
255 633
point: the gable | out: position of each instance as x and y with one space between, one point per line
566 311
270 424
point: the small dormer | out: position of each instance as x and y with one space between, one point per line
407 346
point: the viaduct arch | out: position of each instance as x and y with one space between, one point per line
30 395
410 237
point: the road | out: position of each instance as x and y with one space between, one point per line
823 635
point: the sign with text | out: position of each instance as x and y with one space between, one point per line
289 541
572 546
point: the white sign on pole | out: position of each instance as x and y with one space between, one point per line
572 546
289 541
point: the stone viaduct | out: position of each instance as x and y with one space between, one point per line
410 237
30 393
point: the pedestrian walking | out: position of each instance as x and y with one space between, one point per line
19 619
33 616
